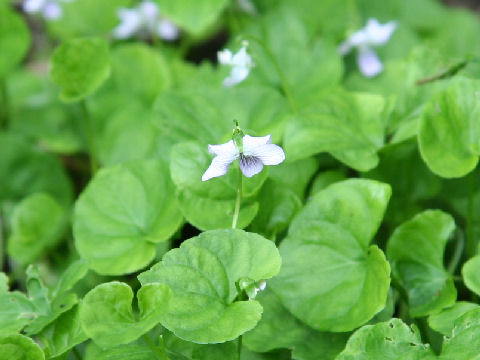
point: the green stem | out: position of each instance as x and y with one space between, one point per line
457 254
238 200
4 107
159 353
471 241
281 75
2 239
76 353
239 347
90 137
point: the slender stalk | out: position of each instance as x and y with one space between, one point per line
281 75
4 107
457 254
159 353
2 239
239 347
90 137
238 200
471 241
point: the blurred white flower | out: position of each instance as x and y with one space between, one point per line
145 19
247 6
252 154
373 34
50 9
241 63
261 285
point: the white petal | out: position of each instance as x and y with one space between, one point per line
218 167
225 57
345 47
52 11
149 9
269 154
247 6
33 6
368 62
242 58
250 165
227 150
379 34
129 24
168 30
358 38
250 143
237 75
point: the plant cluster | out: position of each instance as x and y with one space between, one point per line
239 179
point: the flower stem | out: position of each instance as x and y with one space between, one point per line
159 353
3 232
4 110
238 200
90 133
457 254
239 347
281 75
471 241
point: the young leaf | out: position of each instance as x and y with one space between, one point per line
80 66
19 347
38 223
106 312
122 213
331 278
444 321
449 130
193 16
347 125
462 344
388 340
203 274
14 39
62 334
415 251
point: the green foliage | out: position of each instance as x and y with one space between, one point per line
428 232
106 312
471 274
444 321
19 347
204 274
331 236
80 66
14 40
38 223
123 213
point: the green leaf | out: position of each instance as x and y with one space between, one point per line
278 205
203 274
122 213
80 66
341 282
27 170
14 40
449 130
87 18
37 224
139 71
462 344
19 347
106 312
210 204
415 251
444 321
62 334
471 274
16 310
347 125
388 340
278 328
193 16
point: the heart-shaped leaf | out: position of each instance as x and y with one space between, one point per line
203 274
19 347
106 312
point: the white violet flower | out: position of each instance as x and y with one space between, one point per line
144 19
252 154
373 34
262 285
241 63
50 9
